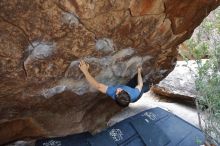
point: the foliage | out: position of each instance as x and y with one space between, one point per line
205 43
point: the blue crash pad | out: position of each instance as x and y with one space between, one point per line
70 140
153 127
151 134
153 115
120 134
180 131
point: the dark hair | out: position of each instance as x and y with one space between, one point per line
123 99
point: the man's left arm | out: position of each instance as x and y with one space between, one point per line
84 67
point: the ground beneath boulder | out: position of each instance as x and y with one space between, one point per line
151 100
147 101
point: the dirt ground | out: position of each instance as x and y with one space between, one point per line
150 100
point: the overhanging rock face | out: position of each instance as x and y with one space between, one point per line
42 42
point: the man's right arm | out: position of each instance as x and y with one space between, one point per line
140 80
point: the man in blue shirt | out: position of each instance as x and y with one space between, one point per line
122 94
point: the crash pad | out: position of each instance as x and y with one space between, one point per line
69 140
153 127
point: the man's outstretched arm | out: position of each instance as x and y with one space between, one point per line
84 67
140 80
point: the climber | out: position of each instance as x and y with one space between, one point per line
122 94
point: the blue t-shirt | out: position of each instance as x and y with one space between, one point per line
133 92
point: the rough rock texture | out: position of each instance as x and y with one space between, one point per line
42 41
180 83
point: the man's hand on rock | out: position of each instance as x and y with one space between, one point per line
84 67
139 68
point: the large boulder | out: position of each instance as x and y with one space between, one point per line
42 42
180 83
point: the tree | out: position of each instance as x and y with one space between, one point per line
205 43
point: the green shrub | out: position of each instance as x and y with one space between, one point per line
206 43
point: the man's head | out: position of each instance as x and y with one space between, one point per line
122 97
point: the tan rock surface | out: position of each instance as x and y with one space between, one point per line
180 83
41 43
